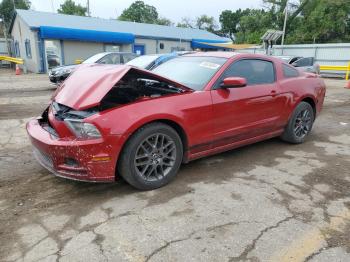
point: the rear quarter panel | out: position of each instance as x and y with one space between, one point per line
300 88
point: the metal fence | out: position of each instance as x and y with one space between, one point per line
324 54
4 52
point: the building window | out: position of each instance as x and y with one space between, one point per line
161 46
112 48
28 49
17 51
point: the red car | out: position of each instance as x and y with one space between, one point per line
111 120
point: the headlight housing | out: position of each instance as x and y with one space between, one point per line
65 71
82 129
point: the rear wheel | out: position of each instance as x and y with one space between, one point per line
300 124
152 157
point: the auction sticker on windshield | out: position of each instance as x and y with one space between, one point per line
209 65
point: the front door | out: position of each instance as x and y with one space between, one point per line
139 49
247 112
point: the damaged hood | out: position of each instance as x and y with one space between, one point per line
86 87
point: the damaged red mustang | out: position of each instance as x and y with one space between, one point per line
107 121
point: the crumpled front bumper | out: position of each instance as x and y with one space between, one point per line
85 160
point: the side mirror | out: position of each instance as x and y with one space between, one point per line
233 82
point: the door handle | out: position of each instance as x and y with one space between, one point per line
273 93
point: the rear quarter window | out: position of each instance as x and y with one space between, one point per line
289 71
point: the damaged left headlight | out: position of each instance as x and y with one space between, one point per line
82 129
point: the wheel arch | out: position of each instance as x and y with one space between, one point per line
311 101
308 99
170 122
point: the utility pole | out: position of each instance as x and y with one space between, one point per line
285 22
88 7
52 7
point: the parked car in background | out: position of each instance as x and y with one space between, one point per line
150 62
306 64
53 60
107 121
60 73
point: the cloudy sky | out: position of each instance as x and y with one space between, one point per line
173 10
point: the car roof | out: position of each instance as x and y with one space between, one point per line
228 55
120 53
222 54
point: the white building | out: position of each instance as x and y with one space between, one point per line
45 40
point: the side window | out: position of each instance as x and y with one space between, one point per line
110 59
128 57
256 71
293 60
307 61
28 49
289 71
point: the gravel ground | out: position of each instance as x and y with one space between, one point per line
270 201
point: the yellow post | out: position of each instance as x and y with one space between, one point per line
12 59
347 72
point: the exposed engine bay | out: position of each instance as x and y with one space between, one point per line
135 86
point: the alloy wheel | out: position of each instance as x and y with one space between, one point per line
303 123
155 157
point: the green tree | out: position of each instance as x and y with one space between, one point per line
69 7
186 22
229 21
140 12
206 23
164 21
7 9
143 13
246 26
253 24
203 22
277 9
323 21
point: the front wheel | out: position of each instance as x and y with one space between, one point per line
152 157
300 124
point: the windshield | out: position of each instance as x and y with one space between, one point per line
191 71
143 61
94 58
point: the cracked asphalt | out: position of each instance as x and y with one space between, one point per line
270 201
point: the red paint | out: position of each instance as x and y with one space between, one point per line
212 120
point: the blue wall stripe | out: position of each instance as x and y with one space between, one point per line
49 32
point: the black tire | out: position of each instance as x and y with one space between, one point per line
145 153
300 124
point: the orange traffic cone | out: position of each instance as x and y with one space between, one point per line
18 70
347 86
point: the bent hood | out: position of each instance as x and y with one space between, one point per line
86 87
